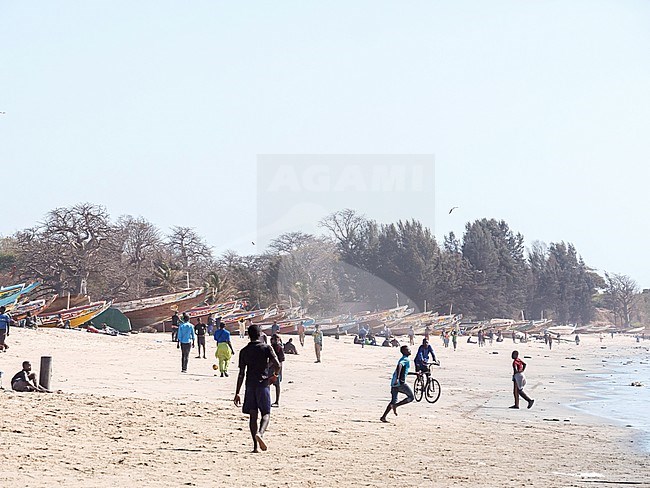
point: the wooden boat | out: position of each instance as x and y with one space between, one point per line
77 316
343 328
216 310
36 307
11 294
151 311
635 330
561 329
63 302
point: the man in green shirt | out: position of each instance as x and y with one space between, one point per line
318 342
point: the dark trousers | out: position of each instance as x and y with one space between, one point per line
185 355
174 334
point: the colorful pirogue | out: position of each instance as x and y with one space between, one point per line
151 311
11 294
75 317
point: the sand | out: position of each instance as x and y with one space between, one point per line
127 417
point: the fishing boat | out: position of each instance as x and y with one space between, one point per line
76 316
217 309
34 308
11 294
67 301
561 329
342 329
151 311
635 330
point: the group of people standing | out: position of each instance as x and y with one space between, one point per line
187 335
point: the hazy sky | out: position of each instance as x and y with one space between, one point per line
536 112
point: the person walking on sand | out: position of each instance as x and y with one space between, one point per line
301 333
242 328
199 330
398 384
255 361
275 328
318 342
175 323
185 338
550 341
224 348
278 349
519 380
25 380
454 338
210 324
5 323
411 335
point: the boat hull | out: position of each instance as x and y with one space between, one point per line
148 312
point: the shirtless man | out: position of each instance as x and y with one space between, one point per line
25 380
259 365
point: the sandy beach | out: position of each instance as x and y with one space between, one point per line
127 417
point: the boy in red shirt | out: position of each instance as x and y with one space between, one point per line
519 380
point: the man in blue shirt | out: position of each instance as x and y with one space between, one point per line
5 322
185 339
398 384
422 356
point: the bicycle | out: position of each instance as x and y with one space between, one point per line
430 388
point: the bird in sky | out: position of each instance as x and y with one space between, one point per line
252 243
452 209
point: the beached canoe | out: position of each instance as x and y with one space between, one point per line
11 294
76 316
20 311
151 311
561 329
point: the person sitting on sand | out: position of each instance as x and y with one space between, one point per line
519 380
289 348
255 361
386 342
363 332
398 384
25 380
394 342
372 341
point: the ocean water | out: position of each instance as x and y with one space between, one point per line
611 396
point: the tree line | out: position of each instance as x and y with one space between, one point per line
485 273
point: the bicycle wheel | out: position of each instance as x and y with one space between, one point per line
418 388
432 391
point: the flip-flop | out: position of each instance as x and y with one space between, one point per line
261 442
